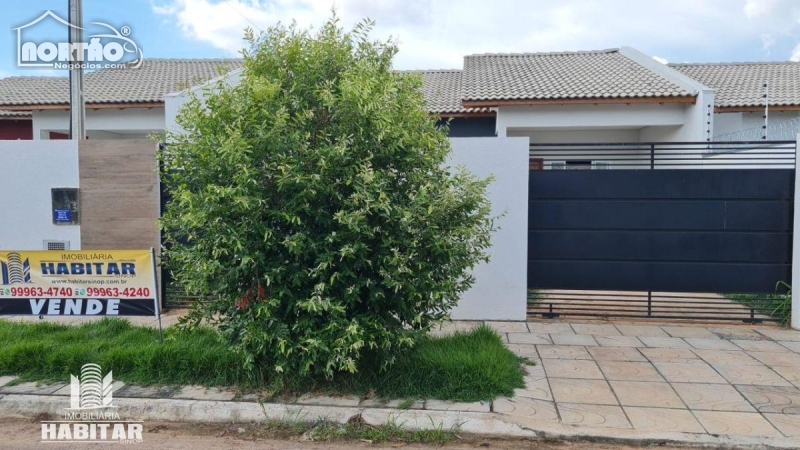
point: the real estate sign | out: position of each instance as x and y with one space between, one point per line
78 283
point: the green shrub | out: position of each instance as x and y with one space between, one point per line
312 202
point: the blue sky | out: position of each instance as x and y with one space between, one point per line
437 33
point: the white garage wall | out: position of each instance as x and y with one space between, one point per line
501 285
128 123
31 169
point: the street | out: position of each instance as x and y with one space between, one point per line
24 434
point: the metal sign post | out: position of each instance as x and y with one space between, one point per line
157 296
77 109
795 309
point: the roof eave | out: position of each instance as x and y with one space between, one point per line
772 108
65 106
578 101
464 114
686 82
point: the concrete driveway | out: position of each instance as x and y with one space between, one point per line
627 377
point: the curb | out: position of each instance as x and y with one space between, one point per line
474 423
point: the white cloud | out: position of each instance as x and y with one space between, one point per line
795 54
756 8
219 24
767 41
780 17
437 34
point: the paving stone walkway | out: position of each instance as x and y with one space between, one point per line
718 380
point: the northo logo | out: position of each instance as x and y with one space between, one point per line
104 50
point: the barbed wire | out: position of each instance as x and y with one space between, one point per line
781 131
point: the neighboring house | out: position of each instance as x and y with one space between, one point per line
617 95
442 91
120 103
16 125
741 95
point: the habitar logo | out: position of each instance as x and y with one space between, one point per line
14 269
91 416
93 432
88 268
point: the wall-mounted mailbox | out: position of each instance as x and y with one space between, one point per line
66 206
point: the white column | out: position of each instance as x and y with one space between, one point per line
796 243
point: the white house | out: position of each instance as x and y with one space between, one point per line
615 95
741 92
120 103
497 105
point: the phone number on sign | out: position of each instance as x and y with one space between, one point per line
79 292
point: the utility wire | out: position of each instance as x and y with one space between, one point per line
227 2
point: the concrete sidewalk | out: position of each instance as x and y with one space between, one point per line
637 382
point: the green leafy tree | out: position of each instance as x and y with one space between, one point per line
313 203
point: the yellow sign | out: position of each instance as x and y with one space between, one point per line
80 283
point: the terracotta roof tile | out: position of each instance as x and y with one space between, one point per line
565 75
442 90
146 84
741 84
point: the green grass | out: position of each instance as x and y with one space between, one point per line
467 367
355 429
388 432
778 306
463 367
534 297
51 352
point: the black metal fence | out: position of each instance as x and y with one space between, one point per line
669 155
681 231
172 295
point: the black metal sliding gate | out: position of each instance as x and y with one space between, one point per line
703 232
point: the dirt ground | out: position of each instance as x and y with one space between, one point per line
24 434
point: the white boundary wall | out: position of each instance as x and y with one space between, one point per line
31 169
500 291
